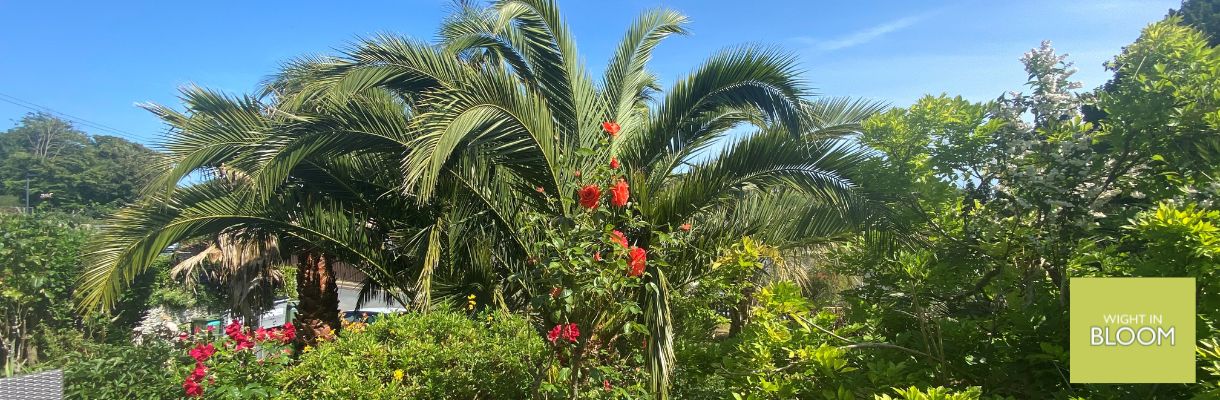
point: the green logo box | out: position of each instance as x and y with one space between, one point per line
1132 330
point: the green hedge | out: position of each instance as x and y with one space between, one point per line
442 355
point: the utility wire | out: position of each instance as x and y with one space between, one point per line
104 128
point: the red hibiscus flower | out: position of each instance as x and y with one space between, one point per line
290 333
637 259
571 333
233 329
611 128
192 388
619 238
243 343
614 163
199 372
685 227
568 332
202 352
589 196
619 193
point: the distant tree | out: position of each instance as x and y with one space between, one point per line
68 168
1203 15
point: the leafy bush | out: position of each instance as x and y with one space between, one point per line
439 355
936 393
38 266
108 371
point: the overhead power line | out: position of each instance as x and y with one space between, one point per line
106 129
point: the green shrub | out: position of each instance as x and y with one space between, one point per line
108 371
441 355
936 393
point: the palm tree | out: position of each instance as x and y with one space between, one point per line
247 267
415 161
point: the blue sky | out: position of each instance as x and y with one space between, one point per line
94 61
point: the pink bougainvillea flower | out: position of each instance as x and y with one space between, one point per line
638 258
619 193
589 196
619 238
611 128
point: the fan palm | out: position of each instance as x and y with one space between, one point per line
415 161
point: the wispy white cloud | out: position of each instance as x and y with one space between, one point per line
864 36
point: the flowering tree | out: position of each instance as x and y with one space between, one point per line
603 293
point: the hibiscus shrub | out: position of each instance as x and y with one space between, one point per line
240 363
438 355
598 268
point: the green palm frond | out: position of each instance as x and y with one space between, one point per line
491 112
627 80
742 78
659 320
820 169
217 131
136 235
836 117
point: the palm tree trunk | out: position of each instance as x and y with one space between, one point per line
318 307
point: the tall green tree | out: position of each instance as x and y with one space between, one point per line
1203 15
68 168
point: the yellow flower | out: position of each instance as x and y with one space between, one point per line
307 349
398 375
